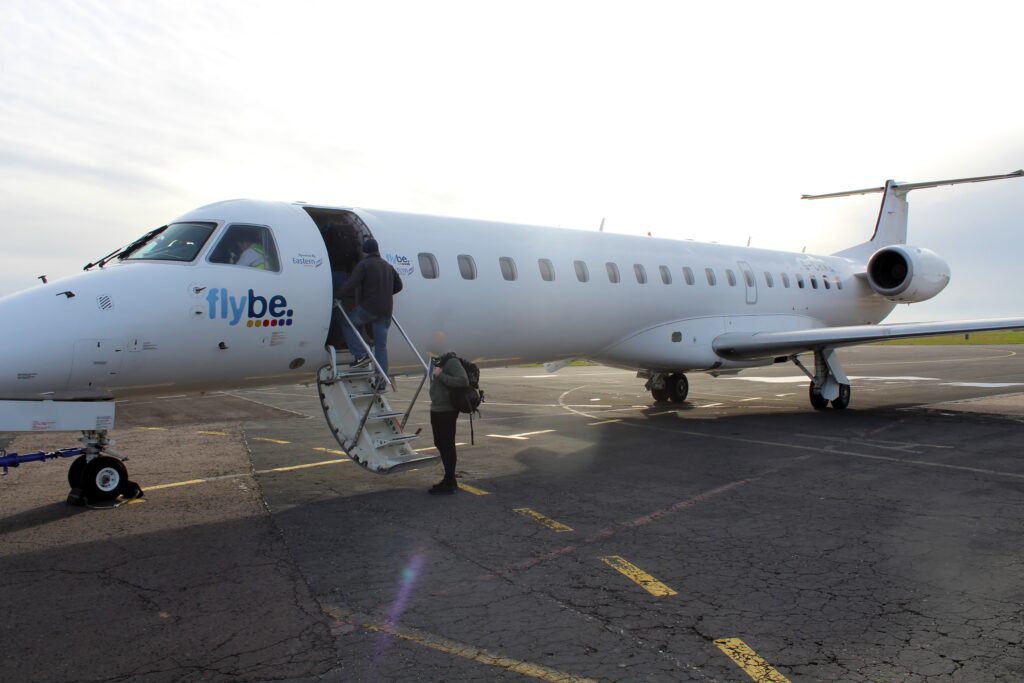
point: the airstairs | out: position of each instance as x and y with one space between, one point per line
360 416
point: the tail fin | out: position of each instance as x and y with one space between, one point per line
891 226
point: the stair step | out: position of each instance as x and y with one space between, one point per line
385 416
402 438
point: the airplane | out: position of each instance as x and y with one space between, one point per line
175 312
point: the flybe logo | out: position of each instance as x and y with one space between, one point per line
259 311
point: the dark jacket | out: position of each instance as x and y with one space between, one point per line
375 283
452 375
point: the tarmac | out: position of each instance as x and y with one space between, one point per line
737 536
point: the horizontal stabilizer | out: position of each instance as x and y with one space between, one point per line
746 346
903 188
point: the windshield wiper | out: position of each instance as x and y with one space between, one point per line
125 250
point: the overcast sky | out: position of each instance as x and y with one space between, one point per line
688 120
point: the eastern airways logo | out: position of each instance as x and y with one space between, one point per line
259 311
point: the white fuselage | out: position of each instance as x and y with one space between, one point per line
154 327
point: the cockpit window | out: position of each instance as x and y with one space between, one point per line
176 242
251 246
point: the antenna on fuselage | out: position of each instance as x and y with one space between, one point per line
601 228
748 240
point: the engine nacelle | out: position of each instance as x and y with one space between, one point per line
907 274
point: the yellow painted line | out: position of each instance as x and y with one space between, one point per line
176 484
748 660
463 650
332 451
558 527
302 467
474 490
154 429
602 422
639 576
263 438
215 433
434 448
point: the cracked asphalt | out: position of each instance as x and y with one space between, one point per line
740 535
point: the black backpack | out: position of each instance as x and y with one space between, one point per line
465 399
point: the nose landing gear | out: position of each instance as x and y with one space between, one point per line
98 475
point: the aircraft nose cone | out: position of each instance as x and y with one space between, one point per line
36 352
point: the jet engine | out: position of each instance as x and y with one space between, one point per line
907 274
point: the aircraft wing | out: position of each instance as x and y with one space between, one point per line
750 345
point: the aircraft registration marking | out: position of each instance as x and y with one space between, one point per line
279 442
748 660
638 576
474 490
557 527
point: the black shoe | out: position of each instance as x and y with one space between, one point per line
360 362
443 488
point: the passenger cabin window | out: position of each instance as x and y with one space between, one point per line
839 283
785 280
613 272
712 280
814 282
666 275
547 271
582 272
731 277
688 275
824 281
428 266
799 280
768 279
748 277
508 268
251 246
174 242
641 273
467 267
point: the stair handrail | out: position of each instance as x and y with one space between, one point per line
366 347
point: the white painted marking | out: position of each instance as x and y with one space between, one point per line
711 405
744 400
984 385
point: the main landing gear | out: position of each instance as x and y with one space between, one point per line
673 387
829 383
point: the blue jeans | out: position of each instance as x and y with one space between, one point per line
359 317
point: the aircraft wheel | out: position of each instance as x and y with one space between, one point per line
678 387
843 399
75 472
104 478
660 395
818 402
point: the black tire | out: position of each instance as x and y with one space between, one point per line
104 479
660 395
75 472
678 387
843 399
818 402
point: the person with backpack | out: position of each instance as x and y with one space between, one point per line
448 373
